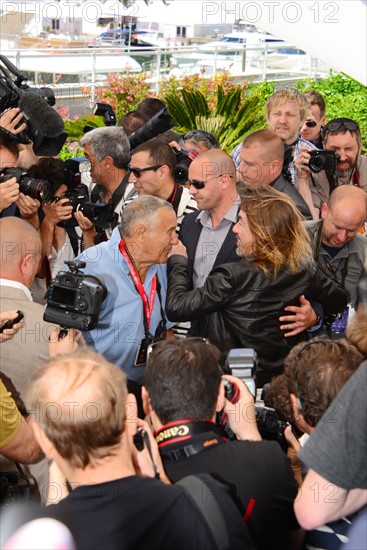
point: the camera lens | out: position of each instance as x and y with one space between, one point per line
36 189
316 163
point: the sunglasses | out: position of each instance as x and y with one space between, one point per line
138 171
201 184
339 123
311 123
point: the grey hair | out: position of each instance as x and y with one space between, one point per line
142 210
109 141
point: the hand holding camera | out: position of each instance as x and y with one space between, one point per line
241 410
9 193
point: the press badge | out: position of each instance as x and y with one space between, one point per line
340 324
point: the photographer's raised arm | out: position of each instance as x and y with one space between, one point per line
88 229
304 182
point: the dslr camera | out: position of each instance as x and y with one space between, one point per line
100 214
323 160
184 158
74 299
34 188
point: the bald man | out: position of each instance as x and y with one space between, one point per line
21 252
262 157
207 234
339 248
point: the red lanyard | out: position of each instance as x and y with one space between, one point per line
139 286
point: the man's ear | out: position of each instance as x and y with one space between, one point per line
131 419
140 231
43 441
295 407
146 401
108 162
324 209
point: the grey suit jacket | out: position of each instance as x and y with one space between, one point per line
20 357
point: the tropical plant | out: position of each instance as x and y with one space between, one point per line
231 117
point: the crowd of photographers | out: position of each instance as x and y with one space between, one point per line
263 249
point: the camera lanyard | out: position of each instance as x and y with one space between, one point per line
148 305
329 267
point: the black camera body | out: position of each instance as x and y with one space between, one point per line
323 160
34 188
270 426
74 299
100 214
184 158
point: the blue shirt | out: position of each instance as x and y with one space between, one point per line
120 327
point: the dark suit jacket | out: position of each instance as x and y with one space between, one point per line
284 186
189 235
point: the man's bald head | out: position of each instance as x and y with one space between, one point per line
343 215
215 162
21 250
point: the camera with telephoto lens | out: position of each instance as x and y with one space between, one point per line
74 298
184 158
34 188
323 160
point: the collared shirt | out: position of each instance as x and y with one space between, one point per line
210 242
16 284
120 327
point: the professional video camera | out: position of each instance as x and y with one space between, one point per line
100 214
45 127
323 160
34 188
74 299
184 159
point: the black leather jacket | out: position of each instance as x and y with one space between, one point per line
239 307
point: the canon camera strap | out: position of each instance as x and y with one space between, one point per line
171 436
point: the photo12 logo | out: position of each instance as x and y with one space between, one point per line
253 12
89 12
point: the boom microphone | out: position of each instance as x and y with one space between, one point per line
45 127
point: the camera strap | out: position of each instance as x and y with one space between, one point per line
199 435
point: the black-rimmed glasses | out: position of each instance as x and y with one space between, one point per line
138 171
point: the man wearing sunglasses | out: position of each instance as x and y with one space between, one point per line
207 235
343 136
286 111
311 129
152 172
